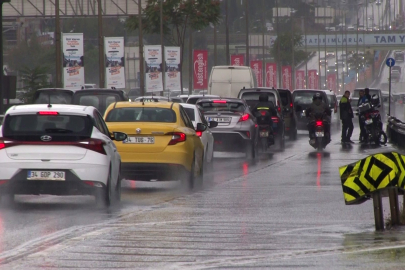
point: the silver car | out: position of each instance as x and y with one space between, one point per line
237 130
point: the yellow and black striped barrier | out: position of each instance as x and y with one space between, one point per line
373 173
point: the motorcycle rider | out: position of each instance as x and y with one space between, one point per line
363 99
318 107
265 104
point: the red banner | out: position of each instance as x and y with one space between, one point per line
200 59
271 75
299 79
331 81
257 68
313 78
237 60
286 74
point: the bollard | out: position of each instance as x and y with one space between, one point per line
394 205
378 211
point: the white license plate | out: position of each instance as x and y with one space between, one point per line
264 134
319 134
219 119
140 140
369 121
303 114
46 175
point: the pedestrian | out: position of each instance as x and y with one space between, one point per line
364 98
346 115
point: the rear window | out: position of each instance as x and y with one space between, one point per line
193 100
284 98
61 127
252 98
56 97
190 113
134 92
141 115
212 106
372 92
303 97
331 99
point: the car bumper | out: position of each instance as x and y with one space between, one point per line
153 171
232 141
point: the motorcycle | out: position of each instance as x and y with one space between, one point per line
373 125
266 136
321 134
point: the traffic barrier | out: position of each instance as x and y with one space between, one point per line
374 177
396 132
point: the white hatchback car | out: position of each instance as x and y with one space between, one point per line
59 150
207 139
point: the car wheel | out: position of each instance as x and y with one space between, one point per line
200 178
118 188
250 150
293 133
189 180
104 196
282 143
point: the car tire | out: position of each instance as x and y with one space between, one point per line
104 195
189 180
293 133
118 189
250 150
200 178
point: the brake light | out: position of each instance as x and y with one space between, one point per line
263 113
198 133
2 146
219 101
278 106
95 145
48 113
275 119
291 105
3 182
279 109
318 123
244 117
177 137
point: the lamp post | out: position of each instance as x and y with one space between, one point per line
228 62
247 33
163 48
100 46
141 63
1 54
58 49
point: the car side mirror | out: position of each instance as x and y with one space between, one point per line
119 136
213 124
201 127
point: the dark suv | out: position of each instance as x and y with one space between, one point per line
288 113
100 98
251 96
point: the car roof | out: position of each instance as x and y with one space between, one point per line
137 104
61 108
226 99
188 105
208 96
151 97
230 67
80 90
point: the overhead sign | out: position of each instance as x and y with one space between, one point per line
390 62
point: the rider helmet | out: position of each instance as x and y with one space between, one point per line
317 96
263 98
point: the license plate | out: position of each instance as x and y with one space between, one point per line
264 134
219 119
319 134
303 114
369 121
140 140
46 175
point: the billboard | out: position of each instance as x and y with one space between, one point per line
271 75
237 60
153 71
257 69
286 77
200 60
172 68
300 79
331 82
313 79
73 60
114 51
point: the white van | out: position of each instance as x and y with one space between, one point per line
227 81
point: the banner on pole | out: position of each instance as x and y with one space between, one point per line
271 75
114 62
73 60
257 68
299 79
286 75
153 62
331 80
237 59
172 70
313 82
200 60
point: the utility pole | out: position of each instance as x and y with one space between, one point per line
163 49
101 65
190 61
141 61
263 48
58 67
215 45
1 55
293 56
228 62
247 33
278 48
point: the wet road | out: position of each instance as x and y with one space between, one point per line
283 211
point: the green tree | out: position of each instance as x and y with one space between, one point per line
179 16
286 42
32 79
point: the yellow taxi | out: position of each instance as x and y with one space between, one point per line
162 143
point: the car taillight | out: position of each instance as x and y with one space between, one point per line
48 113
244 117
263 113
275 119
177 137
278 106
95 145
291 105
198 133
219 101
318 123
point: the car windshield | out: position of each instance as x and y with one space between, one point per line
30 127
222 105
252 98
53 97
372 92
141 114
190 113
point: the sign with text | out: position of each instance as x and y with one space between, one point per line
114 62
73 60
200 60
331 81
257 68
299 79
271 75
237 60
313 78
286 77
172 68
153 72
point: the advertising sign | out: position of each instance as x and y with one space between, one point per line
313 82
114 62
331 81
172 68
299 79
286 76
73 60
200 59
153 72
257 68
271 75
237 60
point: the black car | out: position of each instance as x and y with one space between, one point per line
302 99
288 113
100 98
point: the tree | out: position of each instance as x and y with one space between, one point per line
178 17
285 41
360 61
32 79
